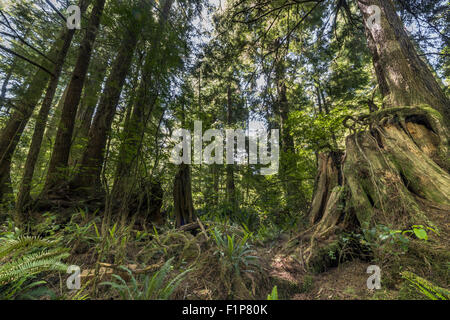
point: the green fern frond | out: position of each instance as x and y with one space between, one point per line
31 265
21 244
23 258
155 287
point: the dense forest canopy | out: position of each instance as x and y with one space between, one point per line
94 93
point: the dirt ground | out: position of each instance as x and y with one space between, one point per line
348 281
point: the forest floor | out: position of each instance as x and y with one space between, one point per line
348 281
219 261
210 279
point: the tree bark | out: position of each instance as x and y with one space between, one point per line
11 133
230 185
404 78
57 172
85 113
394 173
292 191
328 176
88 177
41 122
5 85
182 196
134 128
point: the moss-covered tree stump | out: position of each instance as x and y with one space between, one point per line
395 172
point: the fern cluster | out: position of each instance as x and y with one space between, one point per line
237 253
155 287
23 258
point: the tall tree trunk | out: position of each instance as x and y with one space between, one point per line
5 85
85 113
396 172
146 96
57 172
88 177
41 122
294 199
404 78
182 196
231 188
319 99
40 170
6 189
216 183
50 132
11 133
8 78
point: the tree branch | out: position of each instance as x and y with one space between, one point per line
27 60
17 36
56 10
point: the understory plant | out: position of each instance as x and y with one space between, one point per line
22 260
237 253
387 243
158 286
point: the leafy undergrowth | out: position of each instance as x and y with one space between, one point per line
217 261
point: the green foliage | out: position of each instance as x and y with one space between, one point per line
318 132
394 242
284 65
274 294
419 231
148 287
425 287
24 258
385 242
308 283
268 232
236 253
48 225
10 231
82 232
